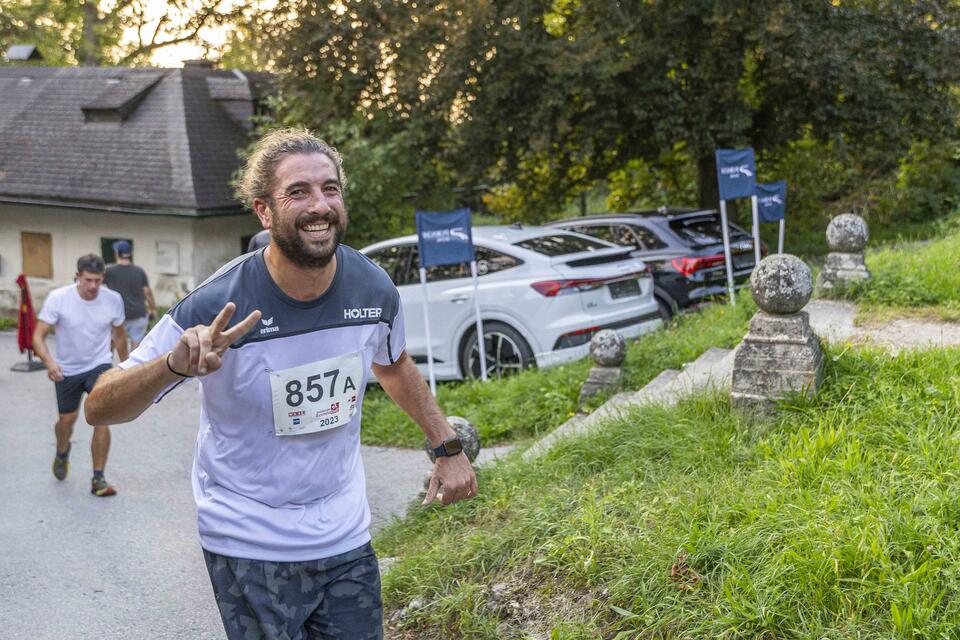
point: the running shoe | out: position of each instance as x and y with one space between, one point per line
100 487
61 467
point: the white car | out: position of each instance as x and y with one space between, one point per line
543 294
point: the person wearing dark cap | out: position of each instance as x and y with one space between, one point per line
131 282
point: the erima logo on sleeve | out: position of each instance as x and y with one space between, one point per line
361 313
267 328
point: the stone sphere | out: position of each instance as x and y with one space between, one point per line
608 348
781 284
468 435
847 233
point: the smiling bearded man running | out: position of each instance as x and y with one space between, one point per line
278 478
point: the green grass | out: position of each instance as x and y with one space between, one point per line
8 324
838 519
535 402
914 279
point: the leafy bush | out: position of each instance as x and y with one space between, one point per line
817 175
671 181
928 182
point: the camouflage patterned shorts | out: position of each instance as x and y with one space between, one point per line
335 598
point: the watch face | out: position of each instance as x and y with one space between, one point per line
452 446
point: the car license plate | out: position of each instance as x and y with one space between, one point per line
624 289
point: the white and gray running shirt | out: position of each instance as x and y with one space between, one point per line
277 473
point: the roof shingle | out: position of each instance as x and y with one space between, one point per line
170 145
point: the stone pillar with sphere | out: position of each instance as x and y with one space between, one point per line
847 236
608 350
780 354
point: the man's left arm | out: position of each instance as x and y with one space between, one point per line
119 338
405 386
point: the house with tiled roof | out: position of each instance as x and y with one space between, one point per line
91 155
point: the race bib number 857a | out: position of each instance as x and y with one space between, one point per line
317 396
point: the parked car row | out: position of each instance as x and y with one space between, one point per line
545 291
543 294
683 248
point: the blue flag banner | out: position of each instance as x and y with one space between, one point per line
736 173
444 237
772 200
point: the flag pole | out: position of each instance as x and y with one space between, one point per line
726 251
756 229
783 224
426 322
476 306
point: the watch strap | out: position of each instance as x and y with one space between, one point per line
449 447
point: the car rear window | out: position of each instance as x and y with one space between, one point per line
560 244
704 230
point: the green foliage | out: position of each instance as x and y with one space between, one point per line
928 181
818 175
548 98
836 519
670 181
94 32
535 402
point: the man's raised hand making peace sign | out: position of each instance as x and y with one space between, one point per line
123 395
201 348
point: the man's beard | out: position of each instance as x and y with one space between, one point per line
293 247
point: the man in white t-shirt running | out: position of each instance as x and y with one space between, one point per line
88 318
278 477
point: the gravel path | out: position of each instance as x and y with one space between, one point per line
834 321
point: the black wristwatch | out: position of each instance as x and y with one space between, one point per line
449 447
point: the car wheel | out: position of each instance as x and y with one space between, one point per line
506 352
665 309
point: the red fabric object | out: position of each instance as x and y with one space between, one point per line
26 321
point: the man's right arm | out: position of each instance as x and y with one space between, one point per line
121 395
40 334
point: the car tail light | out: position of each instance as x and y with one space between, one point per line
576 338
689 266
553 288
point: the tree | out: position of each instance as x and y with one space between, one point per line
553 95
97 32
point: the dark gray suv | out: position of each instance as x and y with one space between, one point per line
683 247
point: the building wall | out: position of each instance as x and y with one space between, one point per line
219 240
202 245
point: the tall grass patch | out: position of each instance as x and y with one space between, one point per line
535 402
839 518
924 275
